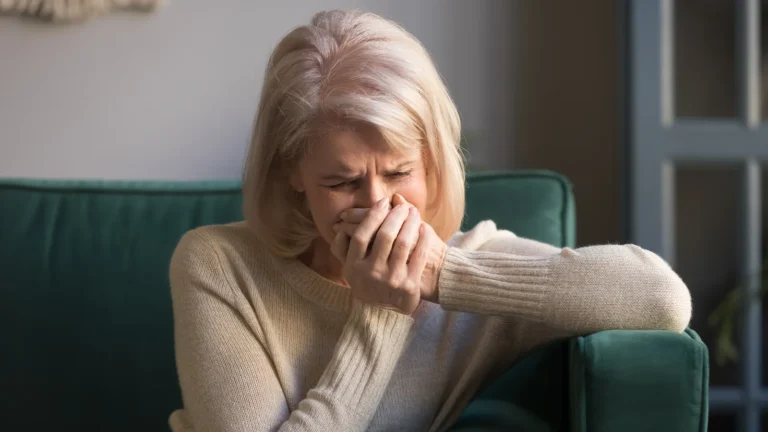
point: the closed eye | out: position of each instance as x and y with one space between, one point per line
343 184
399 174
354 182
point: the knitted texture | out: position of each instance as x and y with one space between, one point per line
264 343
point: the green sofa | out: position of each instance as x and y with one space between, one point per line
87 342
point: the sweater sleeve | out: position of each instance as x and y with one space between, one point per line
565 291
227 378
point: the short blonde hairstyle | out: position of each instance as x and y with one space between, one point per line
344 68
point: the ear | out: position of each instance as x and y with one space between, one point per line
296 182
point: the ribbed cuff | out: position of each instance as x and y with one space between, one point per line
370 346
490 283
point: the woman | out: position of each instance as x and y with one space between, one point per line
347 301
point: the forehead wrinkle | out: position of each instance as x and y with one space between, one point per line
346 152
343 170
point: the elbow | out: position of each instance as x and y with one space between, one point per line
671 302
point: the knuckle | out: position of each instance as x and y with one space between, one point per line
382 274
397 278
386 237
409 286
392 282
359 239
402 244
373 273
388 279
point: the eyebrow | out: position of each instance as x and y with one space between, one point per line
349 171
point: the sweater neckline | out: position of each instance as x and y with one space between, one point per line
314 287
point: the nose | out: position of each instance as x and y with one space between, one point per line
371 192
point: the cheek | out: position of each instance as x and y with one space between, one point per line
415 192
325 207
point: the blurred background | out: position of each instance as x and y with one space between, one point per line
653 109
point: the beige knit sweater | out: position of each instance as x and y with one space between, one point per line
264 343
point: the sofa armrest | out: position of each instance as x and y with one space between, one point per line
638 381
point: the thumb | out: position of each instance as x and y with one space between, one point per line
398 199
340 246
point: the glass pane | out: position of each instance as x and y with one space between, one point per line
765 277
764 59
765 320
705 58
723 422
708 202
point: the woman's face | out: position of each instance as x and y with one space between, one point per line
355 169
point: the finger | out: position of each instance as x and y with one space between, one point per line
398 199
354 215
406 240
340 246
419 256
357 214
388 232
346 227
358 245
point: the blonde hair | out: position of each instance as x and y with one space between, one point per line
348 67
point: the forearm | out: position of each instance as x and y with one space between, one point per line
579 291
349 391
230 380
233 385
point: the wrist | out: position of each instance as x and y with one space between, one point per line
431 292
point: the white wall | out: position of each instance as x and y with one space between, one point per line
172 95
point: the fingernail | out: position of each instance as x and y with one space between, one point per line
343 214
383 203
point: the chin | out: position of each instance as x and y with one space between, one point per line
324 240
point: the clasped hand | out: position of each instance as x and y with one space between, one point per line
391 258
